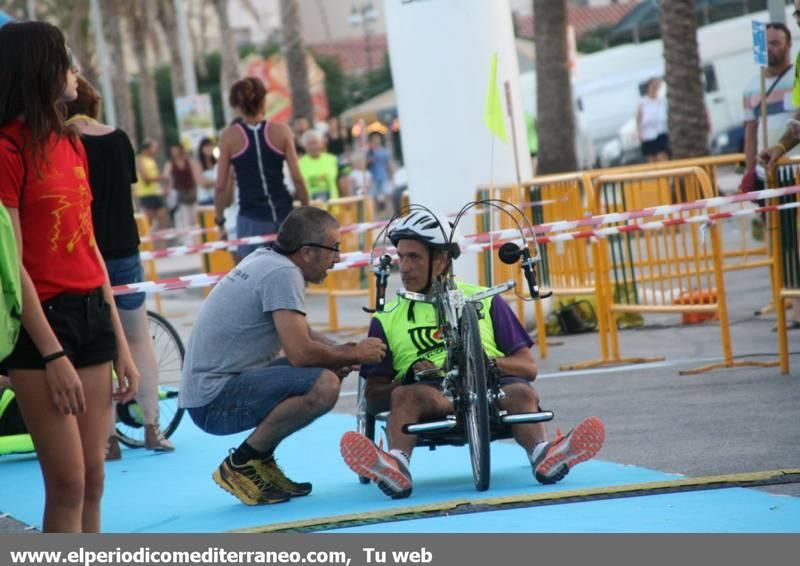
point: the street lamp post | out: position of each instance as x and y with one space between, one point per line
363 15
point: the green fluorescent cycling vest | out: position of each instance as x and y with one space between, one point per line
796 89
410 341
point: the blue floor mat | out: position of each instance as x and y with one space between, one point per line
148 492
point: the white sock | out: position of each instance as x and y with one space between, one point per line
537 450
400 455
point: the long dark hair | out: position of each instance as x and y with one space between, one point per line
33 71
206 161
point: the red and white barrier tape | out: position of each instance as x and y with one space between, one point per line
700 219
479 242
508 233
565 225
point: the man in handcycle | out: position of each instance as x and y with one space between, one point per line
407 381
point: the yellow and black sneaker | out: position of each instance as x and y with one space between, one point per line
248 482
274 474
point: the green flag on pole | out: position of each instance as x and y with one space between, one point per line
493 113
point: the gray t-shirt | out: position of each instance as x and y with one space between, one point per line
234 330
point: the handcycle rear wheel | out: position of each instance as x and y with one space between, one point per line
169 352
476 415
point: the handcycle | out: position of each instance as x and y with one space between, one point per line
169 351
468 379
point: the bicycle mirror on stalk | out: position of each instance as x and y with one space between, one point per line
509 253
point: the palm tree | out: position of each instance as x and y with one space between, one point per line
169 24
555 118
229 70
688 122
73 17
197 12
295 54
114 12
142 19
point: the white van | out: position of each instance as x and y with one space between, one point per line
607 85
584 145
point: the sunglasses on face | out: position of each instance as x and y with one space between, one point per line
335 249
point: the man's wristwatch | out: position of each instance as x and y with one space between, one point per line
219 221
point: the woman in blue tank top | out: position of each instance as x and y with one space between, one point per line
256 149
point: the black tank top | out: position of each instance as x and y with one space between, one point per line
259 174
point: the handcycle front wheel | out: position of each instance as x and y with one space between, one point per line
365 423
169 352
476 415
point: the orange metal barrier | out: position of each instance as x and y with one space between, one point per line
566 267
218 261
490 269
740 250
674 269
785 246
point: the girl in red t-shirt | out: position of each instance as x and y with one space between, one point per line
61 365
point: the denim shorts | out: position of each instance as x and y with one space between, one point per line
82 324
123 271
153 202
246 226
250 396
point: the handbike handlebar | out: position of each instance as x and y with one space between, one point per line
530 275
381 277
474 298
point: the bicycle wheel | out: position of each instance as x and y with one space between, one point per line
473 373
169 352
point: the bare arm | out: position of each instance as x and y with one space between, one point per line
789 138
320 337
300 190
66 391
127 374
223 194
639 123
520 364
166 176
197 173
303 351
770 156
750 144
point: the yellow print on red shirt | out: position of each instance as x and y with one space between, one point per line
66 198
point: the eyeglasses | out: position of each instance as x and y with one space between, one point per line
337 248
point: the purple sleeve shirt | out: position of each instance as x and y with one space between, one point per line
509 335
385 367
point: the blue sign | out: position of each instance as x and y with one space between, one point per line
760 43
